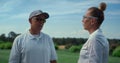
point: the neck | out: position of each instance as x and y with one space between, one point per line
92 30
34 32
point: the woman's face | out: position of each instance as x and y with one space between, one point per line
88 20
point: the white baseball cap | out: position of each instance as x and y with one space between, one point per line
43 15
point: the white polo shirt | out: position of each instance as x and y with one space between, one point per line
95 50
32 49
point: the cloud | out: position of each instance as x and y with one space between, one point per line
65 8
6 29
55 8
64 11
13 19
112 1
9 5
71 7
112 35
17 29
72 33
113 13
19 16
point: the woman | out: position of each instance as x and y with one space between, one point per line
96 49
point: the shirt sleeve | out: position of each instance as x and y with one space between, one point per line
15 52
53 51
95 52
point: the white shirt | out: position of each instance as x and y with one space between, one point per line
28 48
95 50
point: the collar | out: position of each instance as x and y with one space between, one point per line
98 31
33 37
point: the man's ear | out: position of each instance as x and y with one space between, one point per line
30 21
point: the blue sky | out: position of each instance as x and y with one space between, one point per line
65 16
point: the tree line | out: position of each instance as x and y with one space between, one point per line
10 38
59 41
68 42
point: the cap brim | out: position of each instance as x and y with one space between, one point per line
44 15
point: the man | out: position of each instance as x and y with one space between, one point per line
34 46
96 49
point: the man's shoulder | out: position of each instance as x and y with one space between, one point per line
45 35
21 36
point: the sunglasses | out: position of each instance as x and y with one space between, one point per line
40 19
89 17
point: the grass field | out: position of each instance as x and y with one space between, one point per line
4 55
63 57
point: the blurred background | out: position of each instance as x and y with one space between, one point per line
64 25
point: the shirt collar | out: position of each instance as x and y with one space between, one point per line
33 37
96 32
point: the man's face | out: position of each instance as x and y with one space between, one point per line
88 20
37 23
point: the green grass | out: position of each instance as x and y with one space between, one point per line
67 57
4 56
63 57
114 59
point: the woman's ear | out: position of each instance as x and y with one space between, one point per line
93 21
